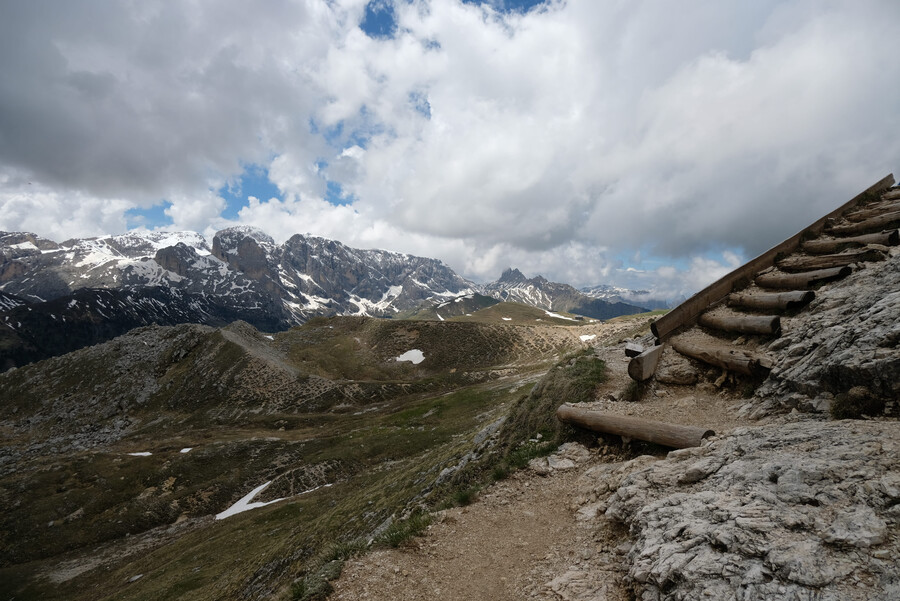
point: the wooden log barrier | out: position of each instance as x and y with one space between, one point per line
867 226
740 361
669 435
799 281
642 367
772 301
687 312
766 325
870 211
798 264
885 238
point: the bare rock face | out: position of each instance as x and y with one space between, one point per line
848 338
806 510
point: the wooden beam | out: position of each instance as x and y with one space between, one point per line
811 263
799 281
869 225
633 349
669 435
687 312
766 325
832 245
871 210
740 361
642 367
772 301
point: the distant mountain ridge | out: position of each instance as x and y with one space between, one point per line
57 297
615 294
538 291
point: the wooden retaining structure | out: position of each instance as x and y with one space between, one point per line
687 313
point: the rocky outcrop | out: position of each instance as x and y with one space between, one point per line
847 338
798 511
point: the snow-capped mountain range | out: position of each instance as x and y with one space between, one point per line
56 297
539 292
615 294
304 277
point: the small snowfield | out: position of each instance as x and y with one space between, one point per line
246 504
415 356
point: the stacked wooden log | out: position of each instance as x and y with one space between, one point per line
781 280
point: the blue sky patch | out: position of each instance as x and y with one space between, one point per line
335 194
380 21
254 181
149 218
508 6
419 101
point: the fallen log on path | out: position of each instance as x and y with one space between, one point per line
740 361
799 281
885 238
766 325
642 367
869 225
772 301
799 264
669 435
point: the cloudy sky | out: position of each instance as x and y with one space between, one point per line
652 144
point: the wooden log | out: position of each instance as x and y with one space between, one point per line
633 349
799 281
687 312
867 226
642 367
766 325
772 301
811 263
740 361
833 245
669 435
871 210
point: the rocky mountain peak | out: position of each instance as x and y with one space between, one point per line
230 238
511 275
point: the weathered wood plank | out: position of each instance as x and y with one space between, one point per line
832 245
669 435
799 281
871 210
811 263
765 325
737 360
772 301
869 225
633 349
642 367
687 312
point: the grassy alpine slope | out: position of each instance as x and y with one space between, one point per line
349 437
